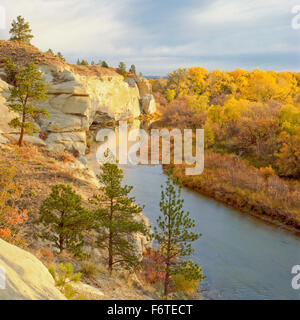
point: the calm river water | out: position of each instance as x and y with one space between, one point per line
242 257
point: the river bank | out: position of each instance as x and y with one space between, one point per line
235 183
236 251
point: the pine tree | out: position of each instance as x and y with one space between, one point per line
122 69
64 219
50 51
60 56
174 236
132 69
20 30
84 63
28 90
104 64
11 72
117 212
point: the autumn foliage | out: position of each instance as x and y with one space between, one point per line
252 135
11 216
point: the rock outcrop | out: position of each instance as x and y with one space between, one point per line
77 101
25 277
5 115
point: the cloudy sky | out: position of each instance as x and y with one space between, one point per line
159 36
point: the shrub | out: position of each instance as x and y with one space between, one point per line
66 157
64 277
11 216
89 269
184 285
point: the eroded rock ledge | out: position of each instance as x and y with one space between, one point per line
26 278
77 101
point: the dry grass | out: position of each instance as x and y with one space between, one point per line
38 169
89 269
22 53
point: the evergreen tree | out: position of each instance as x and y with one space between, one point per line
29 89
122 69
64 219
60 56
11 72
174 237
50 51
132 69
20 30
84 63
117 212
104 64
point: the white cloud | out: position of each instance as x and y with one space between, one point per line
216 33
75 25
239 12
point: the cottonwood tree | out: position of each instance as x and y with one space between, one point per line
179 82
29 89
117 213
64 219
20 30
174 236
289 155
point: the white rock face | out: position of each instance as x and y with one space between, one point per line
147 101
3 140
148 104
5 115
26 278
76 101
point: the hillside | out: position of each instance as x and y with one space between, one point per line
79 96
22 53
37 170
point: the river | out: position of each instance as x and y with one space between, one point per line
241 256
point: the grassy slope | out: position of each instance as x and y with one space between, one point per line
38 169
22 53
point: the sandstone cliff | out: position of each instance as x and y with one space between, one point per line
77 101
25 277
78 97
